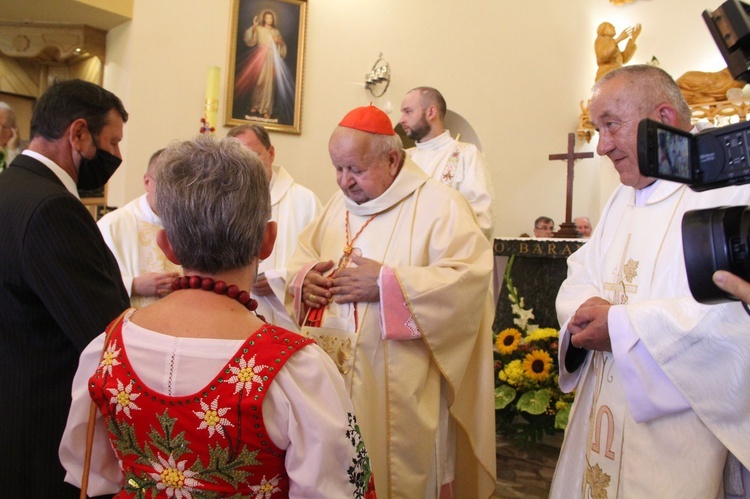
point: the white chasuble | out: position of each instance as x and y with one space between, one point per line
634 260
426 233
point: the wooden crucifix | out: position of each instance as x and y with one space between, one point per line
568 228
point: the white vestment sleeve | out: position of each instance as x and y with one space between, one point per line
649 392
475 185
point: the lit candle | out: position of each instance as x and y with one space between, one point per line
212 97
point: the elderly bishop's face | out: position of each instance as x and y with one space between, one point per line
362 175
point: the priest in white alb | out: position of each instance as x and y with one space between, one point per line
661 380
293 207
393 281
456 164
130 233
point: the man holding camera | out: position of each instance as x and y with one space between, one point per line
661 380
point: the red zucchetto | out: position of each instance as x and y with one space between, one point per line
368 119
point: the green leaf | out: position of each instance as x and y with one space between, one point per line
561 418
534 402
504 395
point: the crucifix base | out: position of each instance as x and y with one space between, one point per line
567 231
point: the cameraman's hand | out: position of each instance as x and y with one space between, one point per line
726 281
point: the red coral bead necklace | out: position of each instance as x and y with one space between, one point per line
218 287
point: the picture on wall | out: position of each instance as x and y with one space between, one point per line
266 59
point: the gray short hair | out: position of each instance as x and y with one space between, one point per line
213 199
653 86
382 145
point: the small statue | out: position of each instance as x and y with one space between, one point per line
608 54
699 87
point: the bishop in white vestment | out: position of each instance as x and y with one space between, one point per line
416 354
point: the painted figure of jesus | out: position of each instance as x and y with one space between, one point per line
265 71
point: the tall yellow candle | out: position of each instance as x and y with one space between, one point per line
211 111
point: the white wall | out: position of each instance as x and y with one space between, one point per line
516 70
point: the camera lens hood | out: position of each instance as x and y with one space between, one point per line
707 246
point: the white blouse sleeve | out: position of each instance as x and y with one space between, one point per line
104 476
308 411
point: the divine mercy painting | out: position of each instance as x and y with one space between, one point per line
266 62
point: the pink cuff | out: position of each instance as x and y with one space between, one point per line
398 322
295 288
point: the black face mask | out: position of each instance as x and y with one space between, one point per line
94 173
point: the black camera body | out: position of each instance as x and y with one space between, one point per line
714 238
713 158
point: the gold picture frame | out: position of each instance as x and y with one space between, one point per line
266 64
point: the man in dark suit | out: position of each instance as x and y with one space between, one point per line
59 284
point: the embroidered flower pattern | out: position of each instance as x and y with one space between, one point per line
360 473
212 418
174 478
266 488
109 358
245 375
123 397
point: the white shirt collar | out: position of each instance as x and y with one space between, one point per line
64 177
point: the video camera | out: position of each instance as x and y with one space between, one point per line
715 238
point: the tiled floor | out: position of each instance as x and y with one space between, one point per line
526 473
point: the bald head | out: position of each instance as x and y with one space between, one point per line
583 226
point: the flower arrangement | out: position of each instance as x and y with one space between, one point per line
528 399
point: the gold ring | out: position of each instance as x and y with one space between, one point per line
312 297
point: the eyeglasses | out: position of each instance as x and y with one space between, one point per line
546 227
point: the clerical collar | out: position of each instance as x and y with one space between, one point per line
437 142
642 195
409 178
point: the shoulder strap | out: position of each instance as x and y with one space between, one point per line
92 416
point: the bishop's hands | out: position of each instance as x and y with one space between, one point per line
315 287
357 284
589 327
351 284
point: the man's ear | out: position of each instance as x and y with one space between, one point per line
269 239
79 134
431 112
166 246
667 115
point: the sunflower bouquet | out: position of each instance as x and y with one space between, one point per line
528 400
